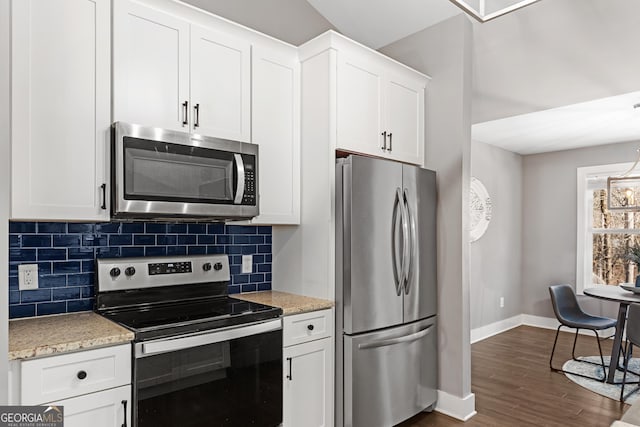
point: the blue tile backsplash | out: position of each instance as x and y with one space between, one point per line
66 252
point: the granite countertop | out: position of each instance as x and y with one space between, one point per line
289 303
47 335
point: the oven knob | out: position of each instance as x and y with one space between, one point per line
206 266
217 266
130 271
115 272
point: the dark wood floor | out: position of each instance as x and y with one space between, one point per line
513 385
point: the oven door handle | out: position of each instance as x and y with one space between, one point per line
240 185
173 344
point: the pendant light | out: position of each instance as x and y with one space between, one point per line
486 10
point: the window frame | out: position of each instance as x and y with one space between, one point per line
584 216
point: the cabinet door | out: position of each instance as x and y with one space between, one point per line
404 111
150 66
276 129
308 384
220 85
60 104
359 102
101 409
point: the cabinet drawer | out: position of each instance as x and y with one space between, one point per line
307 327
67 375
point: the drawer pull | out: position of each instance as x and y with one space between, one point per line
82 375
310 327
290 376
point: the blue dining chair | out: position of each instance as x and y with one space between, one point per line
633 339
570 315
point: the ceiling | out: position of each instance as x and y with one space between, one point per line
598 122
557 75
554 53
376 23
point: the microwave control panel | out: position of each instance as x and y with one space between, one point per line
249 197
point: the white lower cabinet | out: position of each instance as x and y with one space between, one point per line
308 371
93 386
109 408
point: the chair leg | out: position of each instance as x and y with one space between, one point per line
604 370
624 375
555 341
575 340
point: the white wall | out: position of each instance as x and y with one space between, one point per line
4 193
550 222
495 259
444 52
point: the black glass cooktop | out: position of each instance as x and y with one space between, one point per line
175 318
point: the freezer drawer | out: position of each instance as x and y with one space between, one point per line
390 375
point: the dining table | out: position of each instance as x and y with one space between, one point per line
624 298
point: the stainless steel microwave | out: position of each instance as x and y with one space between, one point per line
158 173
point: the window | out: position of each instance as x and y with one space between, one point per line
604 237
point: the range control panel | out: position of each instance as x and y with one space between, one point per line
118 274
169 268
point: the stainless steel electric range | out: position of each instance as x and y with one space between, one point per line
200 357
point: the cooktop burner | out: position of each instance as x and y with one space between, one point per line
161 297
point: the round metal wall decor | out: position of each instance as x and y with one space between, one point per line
479 209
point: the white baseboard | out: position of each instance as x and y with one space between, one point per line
461 408
495 328
484 332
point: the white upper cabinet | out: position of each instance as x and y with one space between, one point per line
60 108
151 67
174 75
220 85
405 117
276 130
360 101
379 103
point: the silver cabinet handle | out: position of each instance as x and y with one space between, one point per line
397 280
384 140
196 111
391 341
390 141
173 344
240 185
185 113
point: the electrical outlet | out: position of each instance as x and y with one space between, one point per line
247 263
501 302
28 276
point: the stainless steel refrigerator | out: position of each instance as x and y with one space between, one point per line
386 338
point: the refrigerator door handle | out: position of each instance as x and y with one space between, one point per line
405 240
411 226
394 231
392 341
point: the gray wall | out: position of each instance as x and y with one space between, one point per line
495 258
549 222
443 51
4 193
294 21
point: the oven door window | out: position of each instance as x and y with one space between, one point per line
159 171
232 383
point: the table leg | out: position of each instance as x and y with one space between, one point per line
617 342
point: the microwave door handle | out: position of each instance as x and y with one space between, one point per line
240 185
